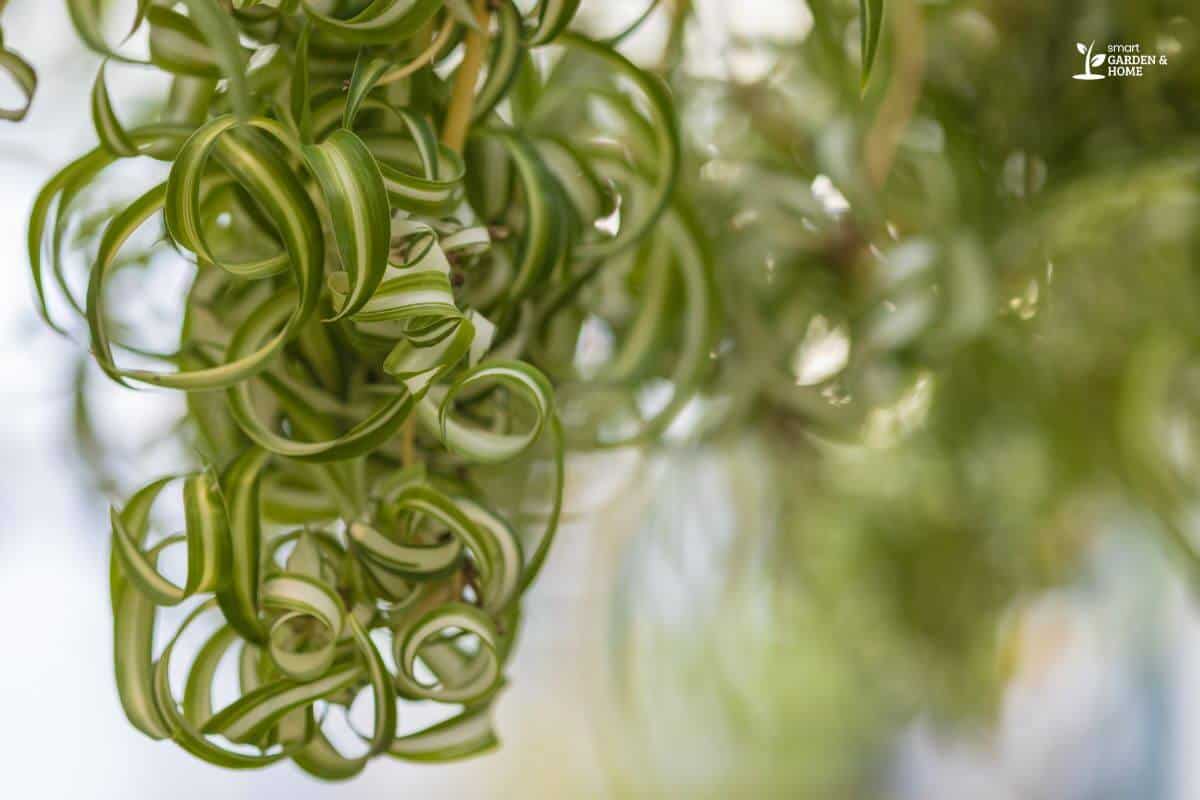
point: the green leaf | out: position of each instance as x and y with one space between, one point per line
380 22
662 132
239 598
407 560
207 539
221 36
367 72
133 642
467 734
474 684
357 204
553 17
86 16
542 244
249 716
505 62
26 79
109 129
301 101
871 24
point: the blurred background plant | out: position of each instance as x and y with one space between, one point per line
940 468
956 345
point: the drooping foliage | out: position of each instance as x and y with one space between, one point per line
385 212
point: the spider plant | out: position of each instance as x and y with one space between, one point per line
387 211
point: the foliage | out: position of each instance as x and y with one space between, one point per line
929 309
956 348
368 340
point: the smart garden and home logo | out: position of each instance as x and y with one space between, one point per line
1122 60
1089 62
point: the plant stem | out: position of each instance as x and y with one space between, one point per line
462 100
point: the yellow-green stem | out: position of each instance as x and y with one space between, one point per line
462 99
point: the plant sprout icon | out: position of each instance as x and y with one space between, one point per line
1089 61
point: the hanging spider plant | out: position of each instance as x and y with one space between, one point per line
388 210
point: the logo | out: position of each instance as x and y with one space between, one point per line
1089 61
1121 60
